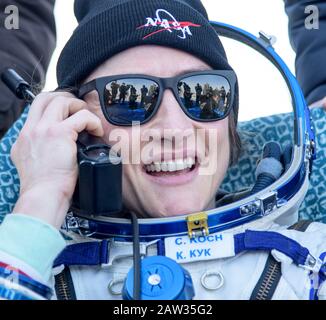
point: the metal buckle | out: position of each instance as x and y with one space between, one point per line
121 250
73 223
263 205
268 40
313 264
197 225
76 224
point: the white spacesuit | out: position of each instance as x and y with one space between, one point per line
233 277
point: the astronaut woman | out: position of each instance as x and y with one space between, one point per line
161 39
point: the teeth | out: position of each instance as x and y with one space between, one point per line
157 166
164 166
190 162
171 166
180 164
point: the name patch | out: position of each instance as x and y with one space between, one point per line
214 246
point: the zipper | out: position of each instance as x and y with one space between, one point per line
272 276
64 286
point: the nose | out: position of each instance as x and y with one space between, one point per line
170 115
174 128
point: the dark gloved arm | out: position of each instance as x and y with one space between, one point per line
310 47
28 50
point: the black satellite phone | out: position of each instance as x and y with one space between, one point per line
99 186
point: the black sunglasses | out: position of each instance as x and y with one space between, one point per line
203 96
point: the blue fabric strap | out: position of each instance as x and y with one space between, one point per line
91 253
87 253
97 253
266 240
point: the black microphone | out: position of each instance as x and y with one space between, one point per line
20 88
269 168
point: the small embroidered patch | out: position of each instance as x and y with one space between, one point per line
169 23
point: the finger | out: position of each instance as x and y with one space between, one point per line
61 108
319 104
39 105
84 120
324 103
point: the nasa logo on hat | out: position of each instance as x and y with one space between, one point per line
169 24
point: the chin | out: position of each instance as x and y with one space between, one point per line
176 209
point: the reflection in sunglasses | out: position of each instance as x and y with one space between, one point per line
131 100
202 97
209 100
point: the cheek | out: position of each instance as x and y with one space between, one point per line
107 127
223 138
217 150
217 138
223 144
124 141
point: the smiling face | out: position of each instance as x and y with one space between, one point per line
170 181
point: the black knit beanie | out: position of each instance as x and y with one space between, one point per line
107 27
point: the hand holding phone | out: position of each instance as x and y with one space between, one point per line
45 155
98 190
